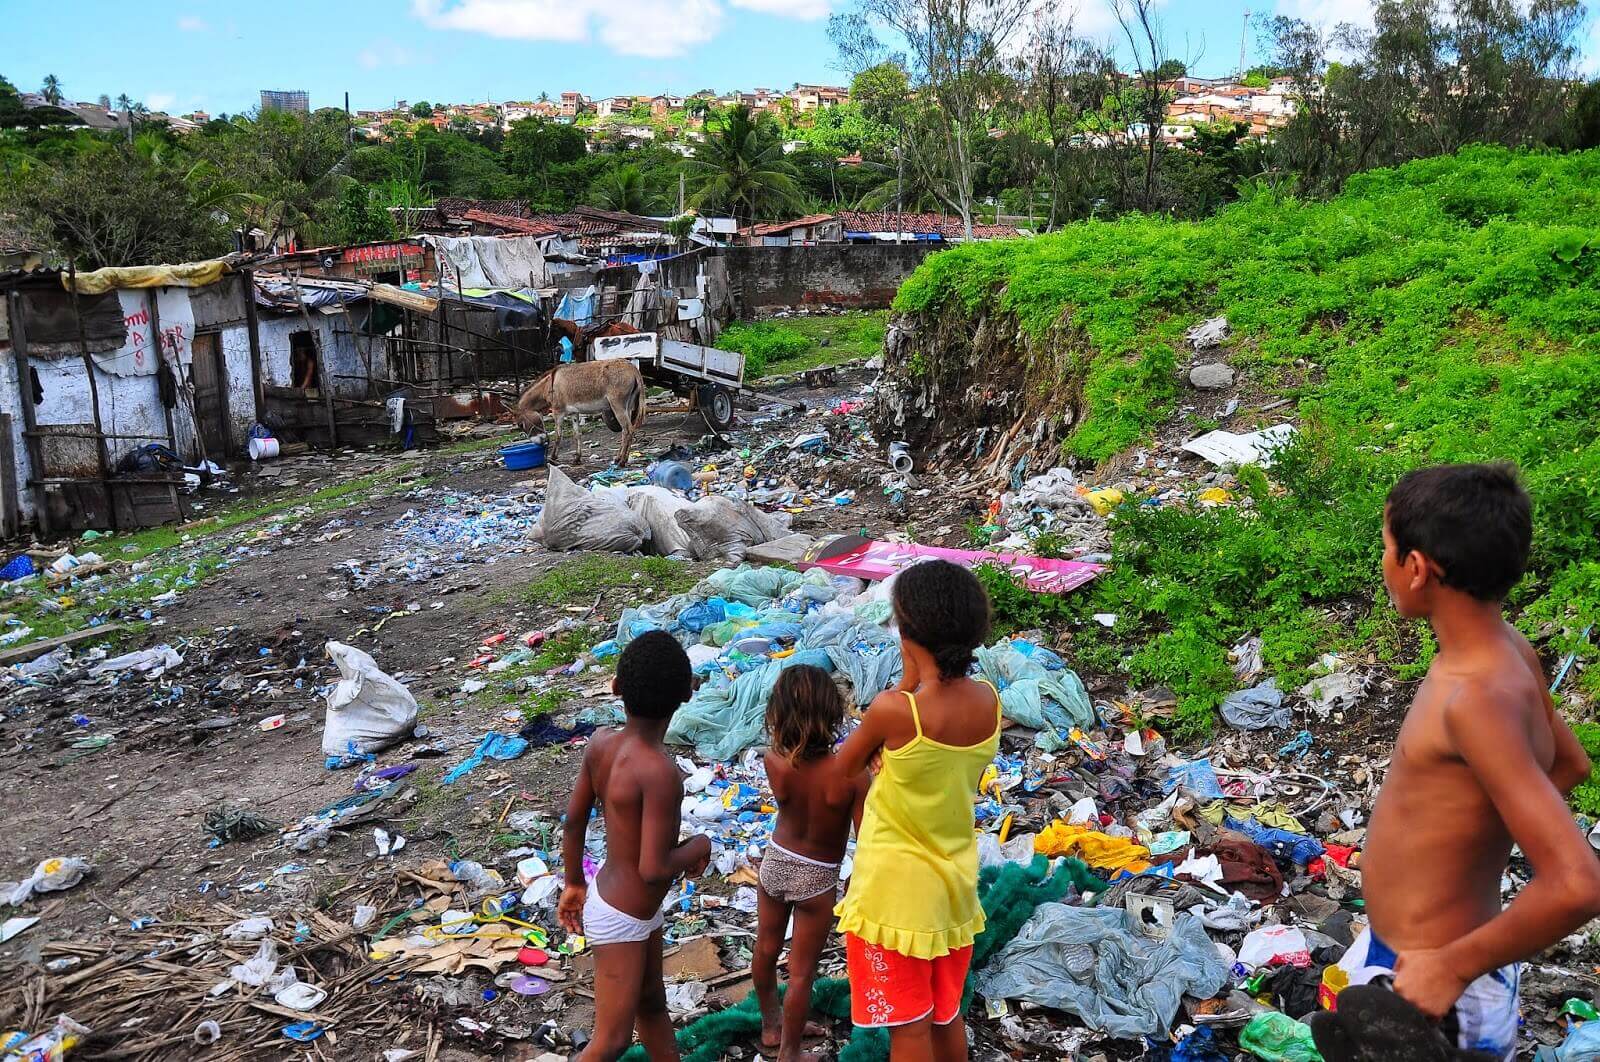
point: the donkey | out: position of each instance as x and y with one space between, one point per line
614 387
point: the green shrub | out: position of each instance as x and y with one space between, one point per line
1586 797
1445 310
763 344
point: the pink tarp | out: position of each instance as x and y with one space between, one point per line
868 559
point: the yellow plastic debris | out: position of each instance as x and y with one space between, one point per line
1104 500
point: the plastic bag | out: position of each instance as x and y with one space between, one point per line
1094 963
1581 1045
1257 708
367 709
153 662
749 585
1033 693
1018 850
259 968
720 721
249 928
52 875
658 507
573 519
719 528
1195 777
1277 1037
1274 946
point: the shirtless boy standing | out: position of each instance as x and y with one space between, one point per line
1482 762
639 791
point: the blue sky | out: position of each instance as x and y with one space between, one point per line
194 54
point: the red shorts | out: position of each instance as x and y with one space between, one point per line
888 988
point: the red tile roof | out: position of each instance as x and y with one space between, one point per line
452 206
775 227
521 226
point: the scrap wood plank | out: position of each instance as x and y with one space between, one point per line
23 653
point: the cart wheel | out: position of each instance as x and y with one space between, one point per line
716 406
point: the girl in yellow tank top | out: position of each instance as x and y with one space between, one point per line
912 911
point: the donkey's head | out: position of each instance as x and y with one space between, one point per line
535 403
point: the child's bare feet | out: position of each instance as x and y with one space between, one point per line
772 1036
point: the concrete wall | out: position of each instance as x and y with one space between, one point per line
842 274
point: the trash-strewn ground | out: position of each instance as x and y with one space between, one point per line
198 790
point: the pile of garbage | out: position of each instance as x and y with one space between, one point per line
656 519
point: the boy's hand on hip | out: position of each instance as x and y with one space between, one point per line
569 911
1428 981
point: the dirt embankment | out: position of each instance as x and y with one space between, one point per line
976 388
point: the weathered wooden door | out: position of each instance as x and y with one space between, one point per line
210 396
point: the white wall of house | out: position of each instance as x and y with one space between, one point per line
129 405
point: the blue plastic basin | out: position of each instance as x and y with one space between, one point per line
523 456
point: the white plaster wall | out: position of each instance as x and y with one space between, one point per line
235 343
128 404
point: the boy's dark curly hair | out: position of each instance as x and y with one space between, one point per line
654 676
804 714
943 608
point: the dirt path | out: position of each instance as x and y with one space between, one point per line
380 572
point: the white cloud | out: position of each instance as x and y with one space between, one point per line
160 101
805 10
653 29
1093 19
383 52
1328 13
192 24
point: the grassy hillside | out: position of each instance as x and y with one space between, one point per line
1447 310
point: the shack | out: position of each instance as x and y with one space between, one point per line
112 382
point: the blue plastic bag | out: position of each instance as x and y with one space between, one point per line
1197 777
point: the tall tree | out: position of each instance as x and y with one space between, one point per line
51 90
624 189
1426 78
122 205
1143 31
1064 80
953 52
740 167
292 164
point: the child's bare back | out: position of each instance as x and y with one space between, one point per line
629 776
816 806
1437 846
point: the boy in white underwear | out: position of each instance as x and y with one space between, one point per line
637 785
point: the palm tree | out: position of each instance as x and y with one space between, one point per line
51 90
105 103
622 189
740 168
